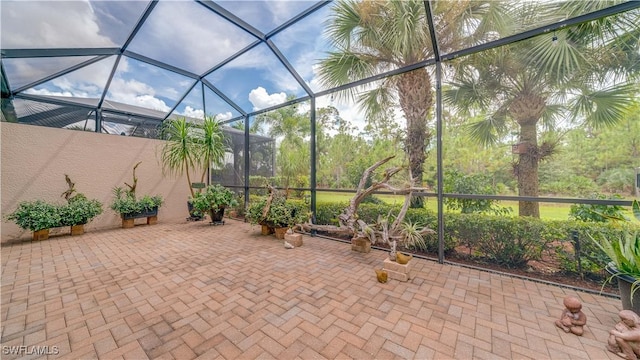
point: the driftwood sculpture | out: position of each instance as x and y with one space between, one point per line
72 188
132 188
382 231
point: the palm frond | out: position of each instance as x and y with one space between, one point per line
603 108
486 131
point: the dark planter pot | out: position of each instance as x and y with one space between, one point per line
624 284
151 215
217 215
148 213
194 215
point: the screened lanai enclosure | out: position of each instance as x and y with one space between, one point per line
494 109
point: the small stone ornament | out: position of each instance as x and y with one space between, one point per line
382 275
572 319
288 246
624 338
402 258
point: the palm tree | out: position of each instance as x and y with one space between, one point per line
190 147
212 145
580 74
371 37
179 150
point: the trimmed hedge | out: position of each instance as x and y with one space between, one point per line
507 241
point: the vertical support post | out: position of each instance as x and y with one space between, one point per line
576 247
247 162
98 120
312 175
439 167
637 187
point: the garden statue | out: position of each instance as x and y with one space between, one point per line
624 338
382 275
572 319
402 258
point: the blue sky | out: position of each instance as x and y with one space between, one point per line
183 34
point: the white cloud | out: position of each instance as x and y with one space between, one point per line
150 102
261 99
50 24
134 92
199 114
224 116
193 113
45 92
198 41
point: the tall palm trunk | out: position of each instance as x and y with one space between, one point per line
527 110
416 99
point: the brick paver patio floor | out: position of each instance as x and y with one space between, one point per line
191 290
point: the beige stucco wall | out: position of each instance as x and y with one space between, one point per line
34 160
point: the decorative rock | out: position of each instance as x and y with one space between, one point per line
293 239
397 271
572 319
288 246
624 338
362 245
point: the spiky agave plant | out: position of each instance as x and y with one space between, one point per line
624 252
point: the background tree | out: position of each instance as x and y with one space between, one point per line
583 74
291 129
370 37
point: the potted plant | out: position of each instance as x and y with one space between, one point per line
276 214
78 212
254 213
191 147
37 216
214 199
624 253
130 207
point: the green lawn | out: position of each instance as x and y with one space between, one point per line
547 210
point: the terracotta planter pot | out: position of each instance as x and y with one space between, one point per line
77 230
280 232
127 223
41 235
267 230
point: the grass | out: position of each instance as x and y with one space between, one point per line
548 211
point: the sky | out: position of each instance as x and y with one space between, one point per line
183 34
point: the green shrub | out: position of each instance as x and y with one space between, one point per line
79 210
508 241
596 212
36 215
282 212
125 202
